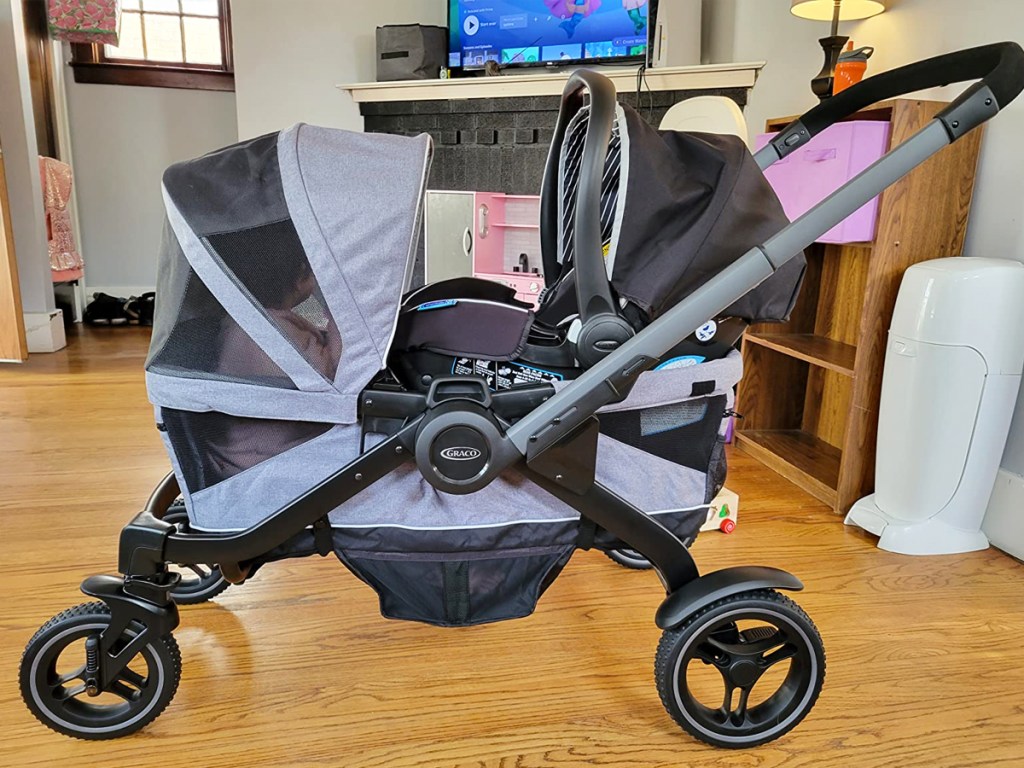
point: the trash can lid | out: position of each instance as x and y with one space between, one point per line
966 301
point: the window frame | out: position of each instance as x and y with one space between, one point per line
90 65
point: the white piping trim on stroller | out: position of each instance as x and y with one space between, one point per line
411 256
480 526
237 399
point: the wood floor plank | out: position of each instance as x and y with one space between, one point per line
297 668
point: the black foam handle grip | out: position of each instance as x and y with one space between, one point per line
999 67
592 290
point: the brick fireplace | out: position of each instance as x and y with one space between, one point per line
499 144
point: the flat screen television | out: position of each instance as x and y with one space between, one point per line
531 33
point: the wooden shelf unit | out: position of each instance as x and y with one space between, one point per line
819 350
811 386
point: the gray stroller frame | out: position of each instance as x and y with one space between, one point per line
461 437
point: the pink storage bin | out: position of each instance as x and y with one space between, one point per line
825 163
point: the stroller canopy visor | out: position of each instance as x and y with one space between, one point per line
282 267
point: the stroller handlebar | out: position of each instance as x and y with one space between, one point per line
999 67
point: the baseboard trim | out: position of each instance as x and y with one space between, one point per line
44 331
1004 519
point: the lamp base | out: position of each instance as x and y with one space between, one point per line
823 82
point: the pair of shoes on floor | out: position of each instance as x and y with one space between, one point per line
105 309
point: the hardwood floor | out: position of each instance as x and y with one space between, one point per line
297 668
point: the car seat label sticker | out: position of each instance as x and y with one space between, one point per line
707 331
440 304
503 375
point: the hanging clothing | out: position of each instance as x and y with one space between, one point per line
56 181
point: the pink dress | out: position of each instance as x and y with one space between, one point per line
56 180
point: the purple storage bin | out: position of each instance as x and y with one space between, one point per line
824 164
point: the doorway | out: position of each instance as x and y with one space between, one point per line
13 346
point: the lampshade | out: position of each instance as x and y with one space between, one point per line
822 10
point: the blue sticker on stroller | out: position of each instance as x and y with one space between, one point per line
685 361
501 374
439 304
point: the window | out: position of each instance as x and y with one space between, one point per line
164 43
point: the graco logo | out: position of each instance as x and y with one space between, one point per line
461 454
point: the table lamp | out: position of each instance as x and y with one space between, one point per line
836 10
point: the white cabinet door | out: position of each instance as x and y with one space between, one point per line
449 235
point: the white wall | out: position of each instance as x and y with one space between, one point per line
290 56
18 139
908 31
122 138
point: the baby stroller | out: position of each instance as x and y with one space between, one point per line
295 402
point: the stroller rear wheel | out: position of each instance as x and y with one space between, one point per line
199 583
629 558
757 648
57 686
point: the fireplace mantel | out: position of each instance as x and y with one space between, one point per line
696 78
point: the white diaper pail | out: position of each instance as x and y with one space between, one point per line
952 372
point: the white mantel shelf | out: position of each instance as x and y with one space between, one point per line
705 76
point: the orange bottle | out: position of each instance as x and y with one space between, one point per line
851 67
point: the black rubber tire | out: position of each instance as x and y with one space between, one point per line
80 719
629 558
198 587
807 670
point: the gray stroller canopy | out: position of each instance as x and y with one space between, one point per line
676 208
282 268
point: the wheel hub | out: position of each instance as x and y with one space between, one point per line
744 673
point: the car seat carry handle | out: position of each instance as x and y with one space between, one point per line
999 67
593 292
602 329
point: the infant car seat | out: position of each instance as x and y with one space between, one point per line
675 208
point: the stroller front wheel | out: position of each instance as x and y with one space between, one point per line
60 690
742 671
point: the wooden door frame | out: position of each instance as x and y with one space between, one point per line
13 345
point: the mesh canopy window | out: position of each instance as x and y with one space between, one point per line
271 265
212 446
206 340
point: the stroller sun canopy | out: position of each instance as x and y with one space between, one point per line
282 267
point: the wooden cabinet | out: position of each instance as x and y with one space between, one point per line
811 386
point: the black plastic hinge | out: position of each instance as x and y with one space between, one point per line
571 460
977 105
790 138
322 538
586 534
